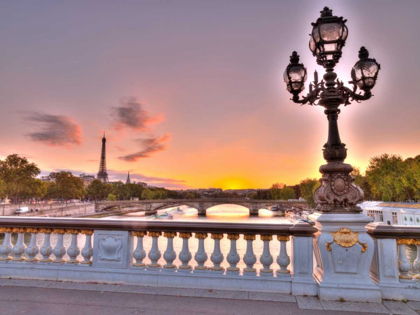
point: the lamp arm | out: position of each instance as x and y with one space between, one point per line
352 95
315 90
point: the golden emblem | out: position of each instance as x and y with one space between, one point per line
346 238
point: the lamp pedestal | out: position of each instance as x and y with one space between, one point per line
343 253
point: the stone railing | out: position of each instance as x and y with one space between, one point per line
243 256
393 271
265 257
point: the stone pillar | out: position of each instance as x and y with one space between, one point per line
112 249
302 267
201 208
253 210
343 252
384 268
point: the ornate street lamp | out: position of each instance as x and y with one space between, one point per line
337 192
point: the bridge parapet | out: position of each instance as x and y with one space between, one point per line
129 252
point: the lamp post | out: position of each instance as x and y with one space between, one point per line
342 248
337 192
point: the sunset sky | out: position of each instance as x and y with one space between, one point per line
190 93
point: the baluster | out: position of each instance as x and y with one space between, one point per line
266 258
185 254
139 254
217 255
283 259
73 250
46 249
6 247
19 248
59 250
249 258
416 263
169 254
87 250
201 255
404 264
154 254
233 256
33 249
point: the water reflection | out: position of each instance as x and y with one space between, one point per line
221 213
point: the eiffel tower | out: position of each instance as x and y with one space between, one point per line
102 174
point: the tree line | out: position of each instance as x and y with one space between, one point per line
388 177
19 183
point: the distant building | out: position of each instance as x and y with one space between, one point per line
209 191
128 181
240 192
47 178
396 213
87 179
142 184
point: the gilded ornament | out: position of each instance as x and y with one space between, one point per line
5 230
59 231
233 237
416 242
283 238
345 237
18 230
139 233
45 231
31 230
155 234
217 236
169 234
201 235
184 235
249 237
266 237
70 231
404 241
86 232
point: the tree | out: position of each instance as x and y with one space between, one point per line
19 176
3 189
147 194
362 182
275 191
111 197
307 188
96 190
385 177
287 193
190 195
68 186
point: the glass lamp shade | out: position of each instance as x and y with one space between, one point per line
295 75
328 37
365 71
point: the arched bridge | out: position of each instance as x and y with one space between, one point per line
151 206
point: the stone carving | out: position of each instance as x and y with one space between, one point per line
110 248
337 192
346 238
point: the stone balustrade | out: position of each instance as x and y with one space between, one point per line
160 253
267 257
391 269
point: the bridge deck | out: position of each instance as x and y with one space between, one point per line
50 298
